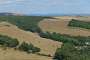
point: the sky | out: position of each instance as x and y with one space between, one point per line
45 6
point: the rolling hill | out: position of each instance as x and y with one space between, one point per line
59 37
47 46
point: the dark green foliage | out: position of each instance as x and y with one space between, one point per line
24 46
35 49
29 48
28 23
13 43
78 40
62 53
70 52
81 24
8 42
74 47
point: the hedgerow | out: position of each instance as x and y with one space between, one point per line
81 24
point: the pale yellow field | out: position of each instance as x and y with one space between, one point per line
59 25
11 54
47 46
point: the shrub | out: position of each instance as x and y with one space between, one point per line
29 48
8 42
35 49
24 47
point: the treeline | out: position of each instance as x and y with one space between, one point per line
6 41
28 23
76 40
74 47
81 24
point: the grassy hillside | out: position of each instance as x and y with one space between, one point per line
60 25
76 42
28 23
29 37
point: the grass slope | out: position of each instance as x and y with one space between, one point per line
47 46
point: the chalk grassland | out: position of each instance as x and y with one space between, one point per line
47 46
59 25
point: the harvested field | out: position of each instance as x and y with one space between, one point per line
47 46
11 54
59 25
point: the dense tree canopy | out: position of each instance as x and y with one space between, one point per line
81 24
28 23
71 52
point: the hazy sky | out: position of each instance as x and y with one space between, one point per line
46 6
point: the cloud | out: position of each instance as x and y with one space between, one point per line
10 1
45 6
5 1
20 0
